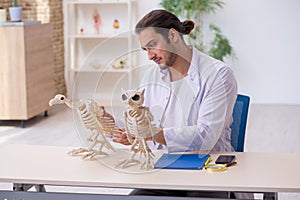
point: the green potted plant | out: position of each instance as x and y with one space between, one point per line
15 12
219 47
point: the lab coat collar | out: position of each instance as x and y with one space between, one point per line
193 77
193 72
165 75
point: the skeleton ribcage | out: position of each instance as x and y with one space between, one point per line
139 126
92 117
88 117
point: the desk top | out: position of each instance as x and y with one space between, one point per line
50 165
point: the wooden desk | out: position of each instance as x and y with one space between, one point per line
50 165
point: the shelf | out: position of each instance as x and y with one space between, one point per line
93 45
99 1
103 70
104 99
98 36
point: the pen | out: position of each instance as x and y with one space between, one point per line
230 164
207 161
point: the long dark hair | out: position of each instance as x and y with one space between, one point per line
162 21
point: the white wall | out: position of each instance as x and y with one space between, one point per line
265 36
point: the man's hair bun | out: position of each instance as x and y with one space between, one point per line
187 26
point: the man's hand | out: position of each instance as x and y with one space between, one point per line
159 137
106 114
122 139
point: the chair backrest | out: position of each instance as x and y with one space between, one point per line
238 126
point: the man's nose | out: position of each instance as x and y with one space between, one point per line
150 53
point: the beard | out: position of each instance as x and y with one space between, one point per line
171 57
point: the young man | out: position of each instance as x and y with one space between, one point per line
190 94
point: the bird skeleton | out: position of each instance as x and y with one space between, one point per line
139 128
93 119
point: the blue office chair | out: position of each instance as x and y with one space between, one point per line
238 129
238 126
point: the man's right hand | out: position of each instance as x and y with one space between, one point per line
122 139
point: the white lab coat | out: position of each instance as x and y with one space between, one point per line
205 116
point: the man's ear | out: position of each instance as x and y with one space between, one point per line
173 35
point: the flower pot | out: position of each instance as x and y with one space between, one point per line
15 14
2 15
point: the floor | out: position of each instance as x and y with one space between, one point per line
59 129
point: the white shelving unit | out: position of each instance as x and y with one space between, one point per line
90 54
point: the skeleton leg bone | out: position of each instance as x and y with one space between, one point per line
128 163
148 163
92 137
91 155
132 161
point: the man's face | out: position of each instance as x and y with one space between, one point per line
158 49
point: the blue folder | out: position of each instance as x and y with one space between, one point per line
181 161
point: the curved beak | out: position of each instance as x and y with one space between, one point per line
52 102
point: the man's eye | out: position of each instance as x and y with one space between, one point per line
151 45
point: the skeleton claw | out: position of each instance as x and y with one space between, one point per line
77 152
147 165
93 154
127 163
90 156
86 154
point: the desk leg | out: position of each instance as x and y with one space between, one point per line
270 196
40 188
21 187
26 187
